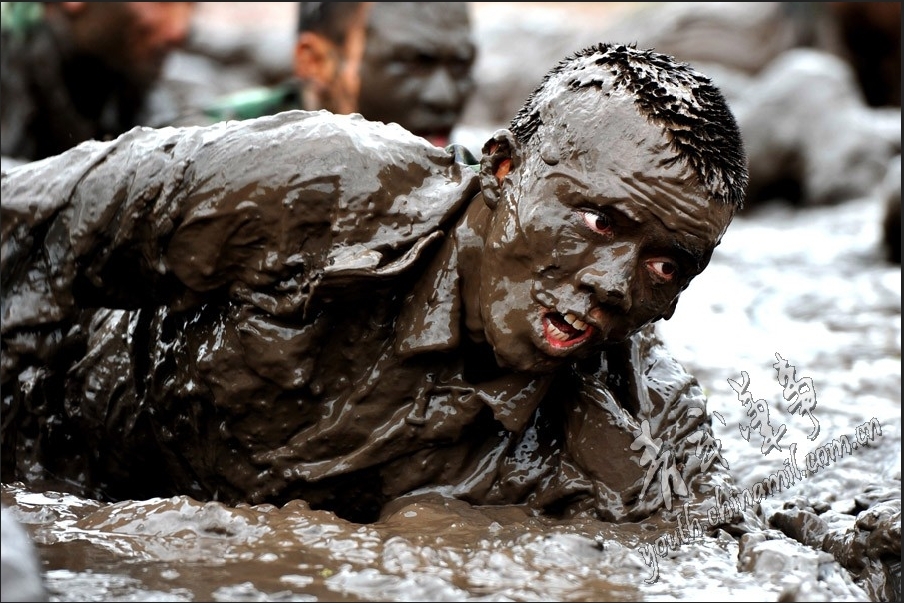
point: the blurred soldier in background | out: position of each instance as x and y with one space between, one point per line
76 71
403 62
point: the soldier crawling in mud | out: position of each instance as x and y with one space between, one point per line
314 306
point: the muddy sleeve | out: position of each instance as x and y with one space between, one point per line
641 433
149 218
256 208
64 217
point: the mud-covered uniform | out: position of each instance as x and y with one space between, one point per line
269 309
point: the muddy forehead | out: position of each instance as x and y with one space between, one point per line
420 25
617 155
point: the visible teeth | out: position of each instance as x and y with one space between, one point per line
571 319
555 332
576 322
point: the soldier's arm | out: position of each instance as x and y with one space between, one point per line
155 216
259 209
635 428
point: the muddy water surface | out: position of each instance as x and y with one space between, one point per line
809 285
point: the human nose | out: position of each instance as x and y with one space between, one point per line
610 278
439 91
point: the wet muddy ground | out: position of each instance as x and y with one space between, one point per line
807 284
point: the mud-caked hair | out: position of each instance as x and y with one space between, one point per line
672 95
332 20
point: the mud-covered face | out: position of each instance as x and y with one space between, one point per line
594 236
156 29
133 38
416 68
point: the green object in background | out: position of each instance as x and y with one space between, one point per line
19 17
255 102
461 154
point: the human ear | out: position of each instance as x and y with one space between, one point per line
315 61
500 156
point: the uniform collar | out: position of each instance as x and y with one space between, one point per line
430 318
513 399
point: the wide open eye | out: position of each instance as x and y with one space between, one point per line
599 223
663 269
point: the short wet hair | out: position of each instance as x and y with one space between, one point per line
333 20
671 94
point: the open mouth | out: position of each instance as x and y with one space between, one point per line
563 331
439 135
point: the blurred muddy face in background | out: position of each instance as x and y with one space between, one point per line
130 38
403 62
